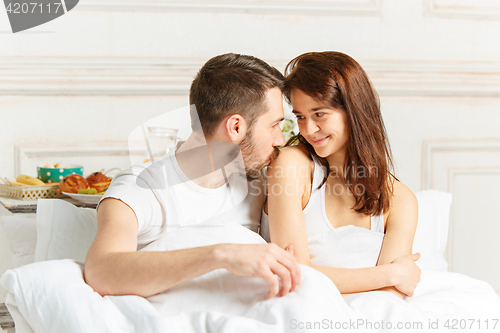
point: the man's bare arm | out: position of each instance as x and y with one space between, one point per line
114 267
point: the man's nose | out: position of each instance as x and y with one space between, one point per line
279 141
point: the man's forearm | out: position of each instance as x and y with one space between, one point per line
148 273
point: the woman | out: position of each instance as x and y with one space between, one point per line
332 196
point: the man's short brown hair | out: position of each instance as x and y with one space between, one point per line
228 84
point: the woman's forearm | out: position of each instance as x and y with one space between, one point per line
394 291
354 280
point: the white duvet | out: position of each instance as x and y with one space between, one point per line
52 296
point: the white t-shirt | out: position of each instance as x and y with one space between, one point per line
164 199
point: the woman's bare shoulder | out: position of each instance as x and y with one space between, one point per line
293 155
293 161
402 197
401 190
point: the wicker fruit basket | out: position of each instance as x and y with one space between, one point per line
31 192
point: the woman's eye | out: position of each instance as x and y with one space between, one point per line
299 117
320 114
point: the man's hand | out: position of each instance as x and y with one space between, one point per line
407 273
262 260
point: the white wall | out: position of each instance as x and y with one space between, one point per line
88 78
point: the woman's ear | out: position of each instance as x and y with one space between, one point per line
236 128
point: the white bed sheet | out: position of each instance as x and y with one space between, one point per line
52 296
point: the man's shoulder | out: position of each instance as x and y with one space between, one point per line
149 173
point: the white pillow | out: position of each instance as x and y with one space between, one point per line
432 229
17 243
64 231
20 232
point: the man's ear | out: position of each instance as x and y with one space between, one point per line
236 127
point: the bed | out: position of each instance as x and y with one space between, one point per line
50 295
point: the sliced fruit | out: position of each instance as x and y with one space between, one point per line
88 191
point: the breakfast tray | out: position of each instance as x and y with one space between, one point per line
29 192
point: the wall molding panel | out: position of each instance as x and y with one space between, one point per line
462 168
431 149
173 76
95 76
294 7
456 9
426 78
452 174
26 158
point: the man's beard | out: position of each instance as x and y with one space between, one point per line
251 158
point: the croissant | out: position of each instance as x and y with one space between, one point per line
98 181
73 184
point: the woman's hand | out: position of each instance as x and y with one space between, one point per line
407 274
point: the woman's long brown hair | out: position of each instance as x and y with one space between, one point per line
339 81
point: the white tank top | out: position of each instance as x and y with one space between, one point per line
344 247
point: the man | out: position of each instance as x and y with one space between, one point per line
239 103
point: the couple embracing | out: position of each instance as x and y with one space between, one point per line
328 199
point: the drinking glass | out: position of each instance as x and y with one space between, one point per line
161 141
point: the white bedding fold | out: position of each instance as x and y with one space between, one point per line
52 296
